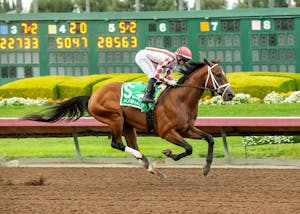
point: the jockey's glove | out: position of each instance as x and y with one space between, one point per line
172 83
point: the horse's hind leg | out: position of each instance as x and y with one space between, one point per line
130 136
131 140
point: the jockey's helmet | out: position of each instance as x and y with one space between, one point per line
184 52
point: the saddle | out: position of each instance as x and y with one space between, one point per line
132 94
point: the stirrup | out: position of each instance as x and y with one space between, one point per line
147 100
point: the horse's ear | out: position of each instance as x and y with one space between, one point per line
218 60
206 61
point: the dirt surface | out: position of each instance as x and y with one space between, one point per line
134 190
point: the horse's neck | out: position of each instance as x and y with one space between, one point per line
190 95
193 92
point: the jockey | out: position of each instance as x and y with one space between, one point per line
153 61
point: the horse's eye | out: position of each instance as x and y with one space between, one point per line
219 75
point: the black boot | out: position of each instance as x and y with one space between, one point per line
148 98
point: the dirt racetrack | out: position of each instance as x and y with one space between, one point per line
134 190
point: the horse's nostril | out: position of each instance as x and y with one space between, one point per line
230 95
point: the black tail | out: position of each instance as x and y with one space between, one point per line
71 109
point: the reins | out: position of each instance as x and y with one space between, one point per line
196 87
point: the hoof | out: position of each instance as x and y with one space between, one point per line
144 161
206 170
157 172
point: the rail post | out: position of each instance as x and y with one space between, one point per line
75 137
226 151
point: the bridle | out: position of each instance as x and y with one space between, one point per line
217 87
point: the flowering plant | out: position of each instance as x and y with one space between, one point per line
19 101
217 100
260 140
273 97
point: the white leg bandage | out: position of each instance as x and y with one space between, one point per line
134 152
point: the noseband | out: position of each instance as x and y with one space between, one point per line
216 85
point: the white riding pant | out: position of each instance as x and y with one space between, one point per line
145 64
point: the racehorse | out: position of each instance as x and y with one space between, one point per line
174 114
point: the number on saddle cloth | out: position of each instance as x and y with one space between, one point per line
132 94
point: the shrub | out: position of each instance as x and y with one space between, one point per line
257 84
294 76
82 85
36 87
118 78
260 86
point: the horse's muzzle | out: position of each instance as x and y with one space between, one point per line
226 93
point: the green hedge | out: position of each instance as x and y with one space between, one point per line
80 85
294 76
37 87
257 84
118 78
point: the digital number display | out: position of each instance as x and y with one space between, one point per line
78 27
230 25
117 42
16 36
68 42
29 28
284 24
178 26
127 27
10 43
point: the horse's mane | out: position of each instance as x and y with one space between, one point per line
189 68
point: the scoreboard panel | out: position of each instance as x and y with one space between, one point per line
273 40
117 42
67 46
221 38
19 50
92 43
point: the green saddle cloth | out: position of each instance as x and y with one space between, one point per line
132 94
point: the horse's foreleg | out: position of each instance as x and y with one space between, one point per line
210 151
198 134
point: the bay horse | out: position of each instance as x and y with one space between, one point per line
175 112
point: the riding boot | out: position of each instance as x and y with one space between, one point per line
148 98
